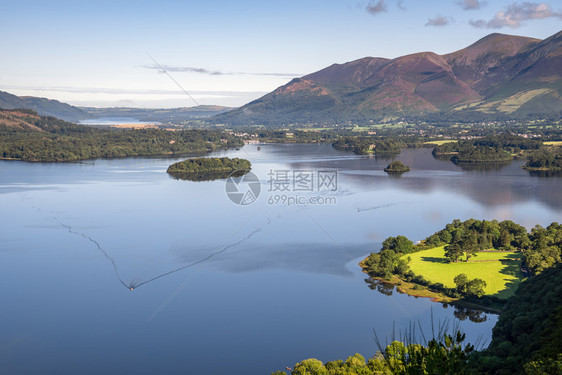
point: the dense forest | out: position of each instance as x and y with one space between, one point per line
30 137
496 148
549 159
527 339
369 145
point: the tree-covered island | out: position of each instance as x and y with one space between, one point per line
206 169
397 167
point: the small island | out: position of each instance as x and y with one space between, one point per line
208 169
397 167
548 159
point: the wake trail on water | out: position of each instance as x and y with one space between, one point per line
376 207
207 258
134 284
99 248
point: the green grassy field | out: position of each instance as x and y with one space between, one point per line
500 270
440 142
553 143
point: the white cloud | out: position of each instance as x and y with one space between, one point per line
471 4
375 7
439 21
191 69
517 13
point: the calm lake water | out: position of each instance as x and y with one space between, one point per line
114 121
262 286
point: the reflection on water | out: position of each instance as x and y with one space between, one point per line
460 312
206 176
495 166
221 280
548 174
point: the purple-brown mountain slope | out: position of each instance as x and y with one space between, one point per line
497 74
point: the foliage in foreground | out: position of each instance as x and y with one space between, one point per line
529 330
444 355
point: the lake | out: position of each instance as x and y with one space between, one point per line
109 121
221 287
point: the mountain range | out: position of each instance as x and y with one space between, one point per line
43 106
499 74
67 112
164 115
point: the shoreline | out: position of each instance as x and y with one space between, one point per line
408 288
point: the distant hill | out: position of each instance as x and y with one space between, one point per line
49 107
499 74
43 106
22 119
159 114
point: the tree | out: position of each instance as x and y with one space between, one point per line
461 281
399 244
453 252
471 288
470 244
475 288
309 366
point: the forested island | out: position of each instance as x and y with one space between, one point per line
26 136
491 151
206 169
397 167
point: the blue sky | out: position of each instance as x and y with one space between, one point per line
226 52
